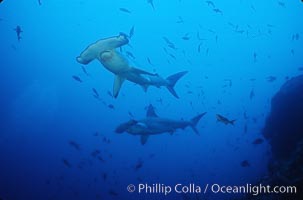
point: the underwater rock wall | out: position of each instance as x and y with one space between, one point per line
284 125
284 132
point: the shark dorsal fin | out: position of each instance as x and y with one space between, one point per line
151 111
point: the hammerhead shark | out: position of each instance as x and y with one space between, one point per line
118 65
153 125
104 50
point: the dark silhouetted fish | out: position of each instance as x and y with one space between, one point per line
39 2
75 145
216 10
199 47
18 30
129 54
271 78
224 120
131 32
282 4
169 43
101 159
245 163
255 57
258 141
109 93
210 3
180 20
111 106
84 70
112 192
139 165
77 78
96 94
130 114
148 60
66 163
95 153
125 10
151 2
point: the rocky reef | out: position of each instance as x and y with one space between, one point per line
284 132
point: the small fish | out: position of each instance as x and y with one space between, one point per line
151 2
18 30
66 163
39 2
77 78
271 78
112 193
96 134
255 57
101 159
180 20
148 60
292 52
171 55
245 163
95 153
109 93
129 54
168 41
131 32
139 165
186 37
111 106
130 114
84 70
96 94
258 141
216 10
224 120
282 4
75 145
210 3
125 10
199 47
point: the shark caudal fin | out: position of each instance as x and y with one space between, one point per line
194 121
172 80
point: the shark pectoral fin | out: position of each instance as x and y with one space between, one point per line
144 139
117 85
145 87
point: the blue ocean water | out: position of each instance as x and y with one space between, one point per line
58 141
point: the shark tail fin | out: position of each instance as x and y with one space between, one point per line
194 121
172 80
